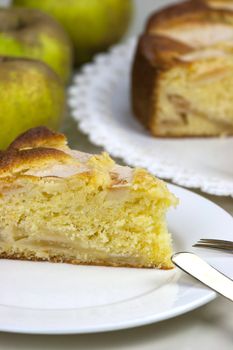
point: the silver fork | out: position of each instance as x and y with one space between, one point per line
215 244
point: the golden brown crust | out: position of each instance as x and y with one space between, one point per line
185 12
154 54
144 75
173 14
14 160
160 50
34 148
59 259
218 4
40 152
38 137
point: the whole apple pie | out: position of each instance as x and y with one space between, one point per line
182 76
62 205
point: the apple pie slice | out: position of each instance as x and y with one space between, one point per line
61 205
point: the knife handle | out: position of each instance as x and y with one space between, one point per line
205 273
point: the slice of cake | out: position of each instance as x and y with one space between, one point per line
182 76
61 205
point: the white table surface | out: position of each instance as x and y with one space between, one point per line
209 327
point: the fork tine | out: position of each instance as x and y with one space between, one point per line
220 241
213 246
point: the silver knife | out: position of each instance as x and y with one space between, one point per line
205 273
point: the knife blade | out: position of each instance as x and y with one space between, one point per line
205 273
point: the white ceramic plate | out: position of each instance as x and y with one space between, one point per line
59 298
99 101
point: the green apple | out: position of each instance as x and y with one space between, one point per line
93 25
32 34
31 94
